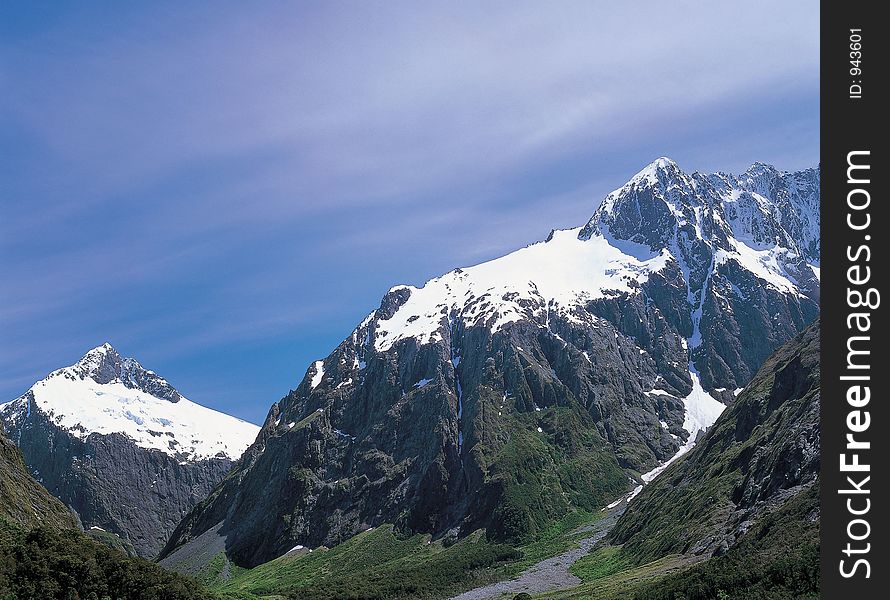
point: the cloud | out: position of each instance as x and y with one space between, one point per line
382 98
185 176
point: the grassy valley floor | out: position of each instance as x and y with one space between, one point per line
777 560
380 564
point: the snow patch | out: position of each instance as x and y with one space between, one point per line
702 411
766 264
634 493
319 374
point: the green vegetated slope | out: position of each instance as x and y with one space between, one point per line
738 517
377 564
64 563
539 477
777 559
23 501
112 540
44 556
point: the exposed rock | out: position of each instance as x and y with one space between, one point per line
761 453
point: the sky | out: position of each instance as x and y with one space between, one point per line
223 190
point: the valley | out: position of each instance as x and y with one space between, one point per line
627 407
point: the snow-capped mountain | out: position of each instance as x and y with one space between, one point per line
660 216
121 446
563 374
104 393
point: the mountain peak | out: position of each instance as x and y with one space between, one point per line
760 165
760 170
98 356
656 170
103 364
106 393
102 350
645 210
663 162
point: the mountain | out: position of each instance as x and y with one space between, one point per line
747 493
121 447
556 377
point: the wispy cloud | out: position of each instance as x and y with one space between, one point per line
183 177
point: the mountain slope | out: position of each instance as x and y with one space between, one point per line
23 501
759 456
738 516
121 447
559 376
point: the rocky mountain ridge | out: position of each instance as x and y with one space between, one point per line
558 376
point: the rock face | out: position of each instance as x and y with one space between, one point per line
23 501
743 243
501 395
759 455
121 447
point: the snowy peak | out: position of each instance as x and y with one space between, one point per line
763 223
790 200
648 208
765 220
103 364
105 393
660 170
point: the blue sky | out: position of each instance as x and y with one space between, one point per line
223 190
